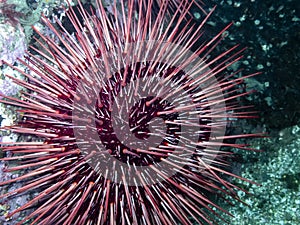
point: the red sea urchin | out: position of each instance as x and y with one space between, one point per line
130 121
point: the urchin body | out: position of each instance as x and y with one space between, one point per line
132 122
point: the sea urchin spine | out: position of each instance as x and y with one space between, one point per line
130 121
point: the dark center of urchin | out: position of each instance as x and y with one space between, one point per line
137 120
142 114
128 131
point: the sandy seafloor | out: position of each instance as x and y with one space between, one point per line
271 32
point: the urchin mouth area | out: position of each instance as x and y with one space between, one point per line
144 120
134 145
141 115
138 120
